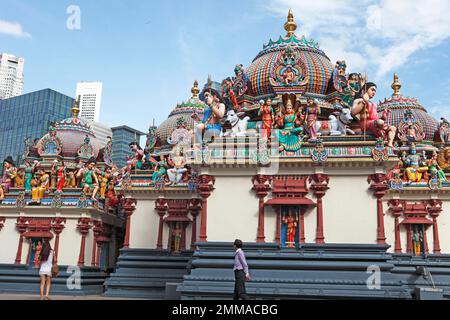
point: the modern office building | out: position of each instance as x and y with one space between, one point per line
11 76
122 136
29 116
90 99
101 131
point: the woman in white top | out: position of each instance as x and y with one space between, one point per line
46 268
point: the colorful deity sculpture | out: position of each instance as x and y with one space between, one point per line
176 237
210 124
444 130
434 168
229 94
137 161
104 180
288 136
240 81
29 171
312 112
60 171
417 239
42 185
267 113
369 121
89 178
291 223
394 176
178 163
6 182
415 165
159 171
352 88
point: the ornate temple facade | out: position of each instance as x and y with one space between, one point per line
292 156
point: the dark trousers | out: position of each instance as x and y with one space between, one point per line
239 285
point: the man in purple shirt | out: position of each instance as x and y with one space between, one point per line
240 269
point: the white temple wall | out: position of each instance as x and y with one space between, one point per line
144 226
444 228
9 240
69 244
233 210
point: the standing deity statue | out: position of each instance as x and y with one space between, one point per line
311 116
417 239
291 223
444 130
159 171
137 161
267 113
415 165
288 136
366 111
210 124
6 181
176 237
178 163
60 171
29 171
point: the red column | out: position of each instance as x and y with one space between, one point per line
435 208
161 208
409 239
195 207
379 187
319 187
98 226
205 187
302 225
261 187
83 227
128 207
395 206
21 226
99 253
278 228
57 226
425 241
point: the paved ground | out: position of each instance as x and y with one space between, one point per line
7 296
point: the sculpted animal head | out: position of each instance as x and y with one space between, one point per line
444 158
346 115
232 117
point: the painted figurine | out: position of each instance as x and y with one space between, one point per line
176 233
159 171
37 255
6 182
89 178
60 170
435 169
267 113
311 115
291 229
415 166
288 75
369 121
444 130
43 184
178 162
137 161
417 239
29 171
210 124
288 136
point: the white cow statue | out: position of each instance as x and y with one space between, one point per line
238 125
337 125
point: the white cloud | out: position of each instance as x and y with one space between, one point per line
380 35
13 29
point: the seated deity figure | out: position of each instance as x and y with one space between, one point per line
288 135
89 178
415 165
435 169
366 111
160 169
210 124
288 75
178 162
43 184
7 182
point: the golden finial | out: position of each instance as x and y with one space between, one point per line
396 85
290 26
75 109
195 90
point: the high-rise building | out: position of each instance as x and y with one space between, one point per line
11 76
29 116
101 131
90 100
122 136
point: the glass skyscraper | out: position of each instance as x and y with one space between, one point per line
121 138
29 116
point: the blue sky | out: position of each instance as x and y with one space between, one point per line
148 53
